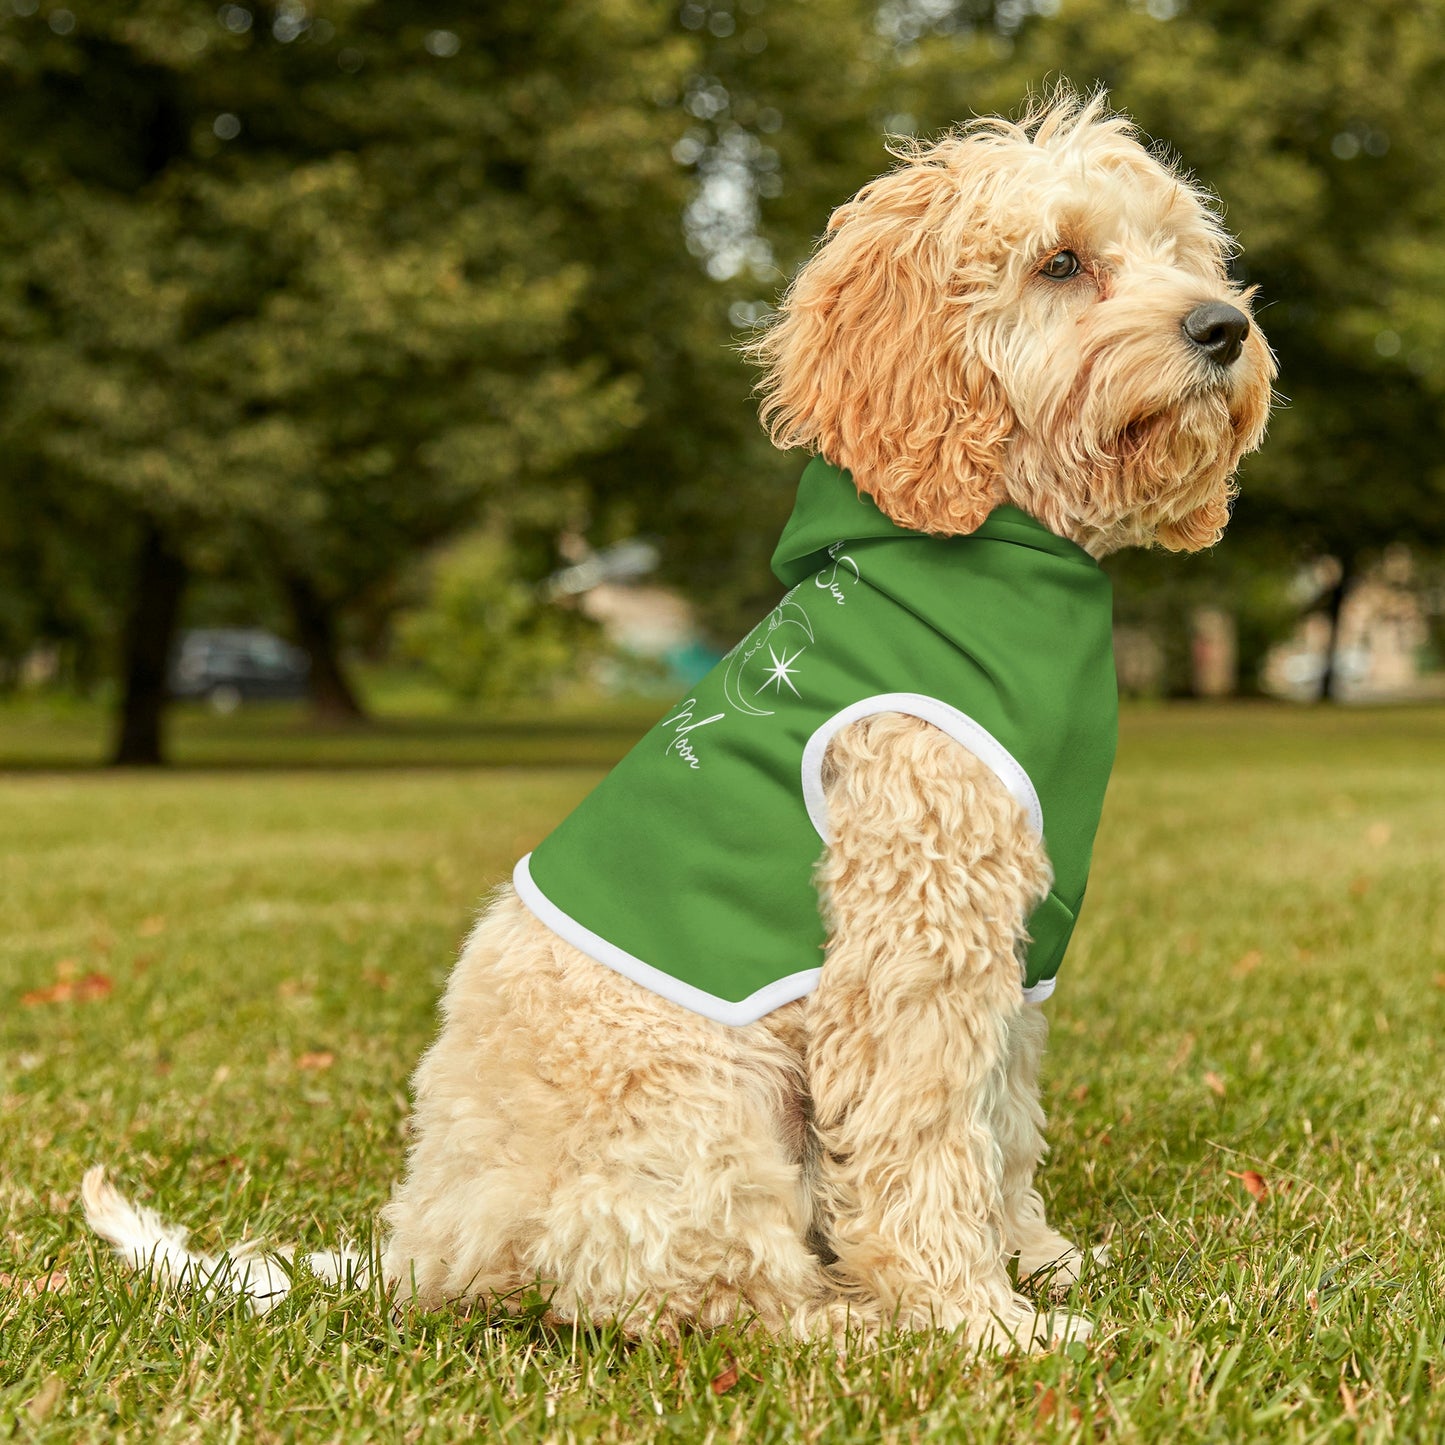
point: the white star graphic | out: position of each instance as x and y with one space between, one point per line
782 670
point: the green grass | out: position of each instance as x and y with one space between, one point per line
1258 984
408 729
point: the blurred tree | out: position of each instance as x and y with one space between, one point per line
486 633
59 574
301 281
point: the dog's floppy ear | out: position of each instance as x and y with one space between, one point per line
872 359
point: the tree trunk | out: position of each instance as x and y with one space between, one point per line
1329 679
333 699
150 630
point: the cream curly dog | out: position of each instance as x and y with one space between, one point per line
1033 315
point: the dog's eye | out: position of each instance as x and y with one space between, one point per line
1060 266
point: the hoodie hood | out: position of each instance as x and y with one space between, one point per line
830 509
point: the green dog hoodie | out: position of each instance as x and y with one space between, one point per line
690 867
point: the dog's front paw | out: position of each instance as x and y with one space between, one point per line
1023 1326
1057 1266
1061 1327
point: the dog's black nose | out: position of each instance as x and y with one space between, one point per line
1218 331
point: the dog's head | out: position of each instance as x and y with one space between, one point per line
1036 313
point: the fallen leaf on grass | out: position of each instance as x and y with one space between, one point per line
320 1059
56 993
1377 834
1359 886
56 1282
1046 1407
1254 1183
1214 1083
1080 1094
45 1399
724 1382
1440 980
1248 963
151 927
377 978
66 990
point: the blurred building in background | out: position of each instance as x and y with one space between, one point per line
653 635
1382 649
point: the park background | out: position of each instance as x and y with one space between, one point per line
361 323
408 333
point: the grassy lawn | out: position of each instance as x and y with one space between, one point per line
216 981
409 729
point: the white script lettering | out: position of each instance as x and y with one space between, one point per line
829 582
681 744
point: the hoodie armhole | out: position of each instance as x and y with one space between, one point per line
947 719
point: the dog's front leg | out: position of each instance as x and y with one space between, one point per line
927 883
1044 1255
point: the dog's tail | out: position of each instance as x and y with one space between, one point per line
147 1243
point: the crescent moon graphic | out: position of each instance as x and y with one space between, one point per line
733 693
789 611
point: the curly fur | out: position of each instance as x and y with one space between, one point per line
866 1156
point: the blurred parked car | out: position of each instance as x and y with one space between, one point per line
230 665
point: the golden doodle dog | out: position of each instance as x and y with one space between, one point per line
1014 353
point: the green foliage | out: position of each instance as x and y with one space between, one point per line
319 285
305 286
1262 920
62 552
484 632
310 285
